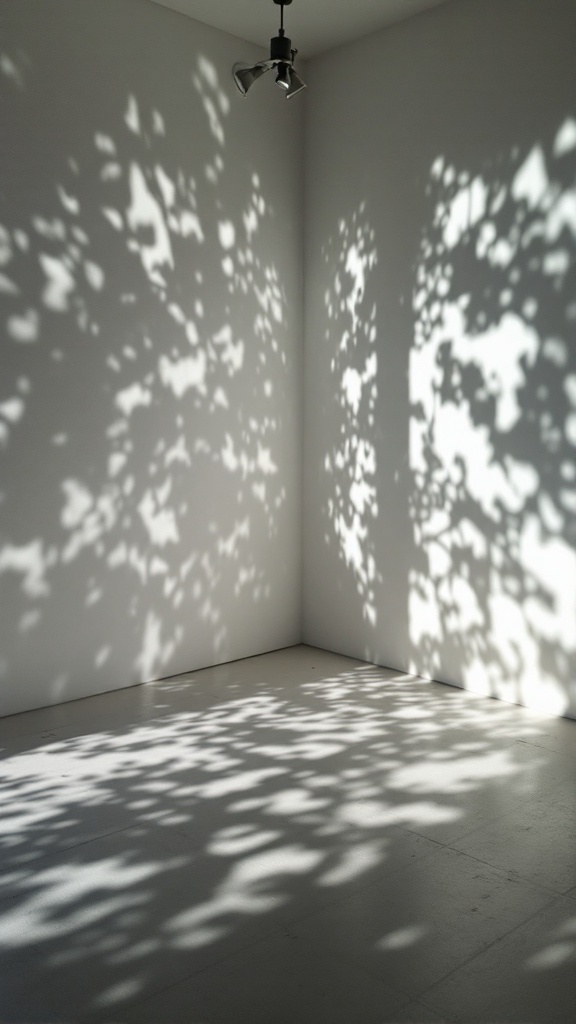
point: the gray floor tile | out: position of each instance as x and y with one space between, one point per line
273 828
528 977
274 981
536 841
121 916
418 1013
412 927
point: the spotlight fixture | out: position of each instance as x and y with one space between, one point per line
281 57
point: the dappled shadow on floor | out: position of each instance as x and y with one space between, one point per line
229 807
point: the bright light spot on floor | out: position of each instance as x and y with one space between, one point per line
360 858
552 957
403 937
565 140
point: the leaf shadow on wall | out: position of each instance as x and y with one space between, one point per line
143 390
349 467
493 427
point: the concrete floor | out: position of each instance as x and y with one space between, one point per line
295 838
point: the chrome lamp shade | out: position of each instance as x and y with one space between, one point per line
281 57
286 78
245 77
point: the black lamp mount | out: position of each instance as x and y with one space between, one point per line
281 57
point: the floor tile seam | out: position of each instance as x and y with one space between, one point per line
195 846
431 1009
336 902
528 800
420 997
76 732
75 728
569 756
448 843
405 997
275 930
556 768
8 898
154 715
67 849
491 821
26 738
518 877
299 918
358 890
404 994
437 842
452 1019
477 828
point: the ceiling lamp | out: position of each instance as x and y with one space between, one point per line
281 57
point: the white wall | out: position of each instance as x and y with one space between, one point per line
151 312
440 369
150 401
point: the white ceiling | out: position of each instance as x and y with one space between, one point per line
313 25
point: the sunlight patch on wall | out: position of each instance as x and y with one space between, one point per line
31 562
493 591
142 293
351 463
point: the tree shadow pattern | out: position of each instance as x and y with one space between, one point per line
350 465
146 406
218 814
493 427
